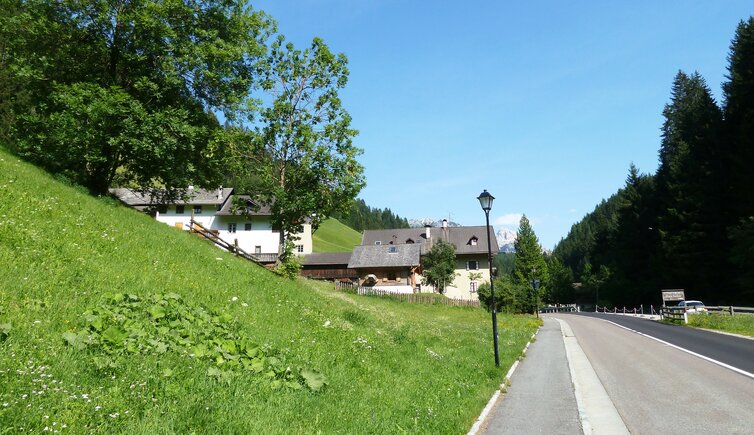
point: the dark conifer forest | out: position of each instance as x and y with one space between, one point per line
691 224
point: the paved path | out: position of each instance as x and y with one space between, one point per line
541 396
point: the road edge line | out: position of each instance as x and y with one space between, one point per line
683 349
597 411
493 400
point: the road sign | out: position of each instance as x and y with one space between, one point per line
673 295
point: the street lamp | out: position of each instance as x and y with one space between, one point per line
535 285
485 200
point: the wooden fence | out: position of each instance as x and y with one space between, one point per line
674 313
732 310
413 298
199 229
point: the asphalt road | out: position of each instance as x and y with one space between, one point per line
657 388
734 351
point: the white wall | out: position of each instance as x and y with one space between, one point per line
261 233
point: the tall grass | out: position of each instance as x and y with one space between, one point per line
739 324
390 366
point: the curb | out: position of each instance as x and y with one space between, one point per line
493 400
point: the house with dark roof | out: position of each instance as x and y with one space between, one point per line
329 266
373 259
394 267
249 224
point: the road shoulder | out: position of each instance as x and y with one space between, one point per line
596 410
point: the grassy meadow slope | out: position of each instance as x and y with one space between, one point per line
334 236
73 264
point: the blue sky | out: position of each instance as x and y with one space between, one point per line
543 103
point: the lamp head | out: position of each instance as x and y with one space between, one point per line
485 200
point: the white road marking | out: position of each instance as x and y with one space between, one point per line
706 358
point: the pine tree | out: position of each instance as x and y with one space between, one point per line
635 243
692 189
529 261
739 116
739 132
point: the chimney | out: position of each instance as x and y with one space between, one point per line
445 223
220 193
426 231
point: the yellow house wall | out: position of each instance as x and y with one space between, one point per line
460 288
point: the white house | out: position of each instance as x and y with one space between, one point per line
250 225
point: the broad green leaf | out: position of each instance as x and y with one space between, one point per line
95 322
114 335
314 379
199 350
157 312
74 340
5 330
229 346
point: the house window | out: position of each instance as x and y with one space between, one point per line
257 249
391 276
392 249
300 248
247 227
473 286
378 242
179 209
162 208
232 227
197 209
472 265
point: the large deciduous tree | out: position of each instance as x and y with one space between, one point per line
439 265
130 87
300 157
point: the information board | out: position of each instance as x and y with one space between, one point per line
673 295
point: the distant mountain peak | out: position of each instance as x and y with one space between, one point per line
506 240
423 222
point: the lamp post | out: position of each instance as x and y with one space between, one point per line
535 285
485 200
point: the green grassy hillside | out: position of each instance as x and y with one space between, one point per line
111 322
334 236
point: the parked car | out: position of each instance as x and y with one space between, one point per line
693 306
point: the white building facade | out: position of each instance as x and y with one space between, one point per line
233 218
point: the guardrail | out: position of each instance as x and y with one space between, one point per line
624 310
731 310
558 309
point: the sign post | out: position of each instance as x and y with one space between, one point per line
673 295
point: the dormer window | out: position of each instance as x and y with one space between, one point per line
474 241
378 242
410 241
392 249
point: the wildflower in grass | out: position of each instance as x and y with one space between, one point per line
234 298
327 323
